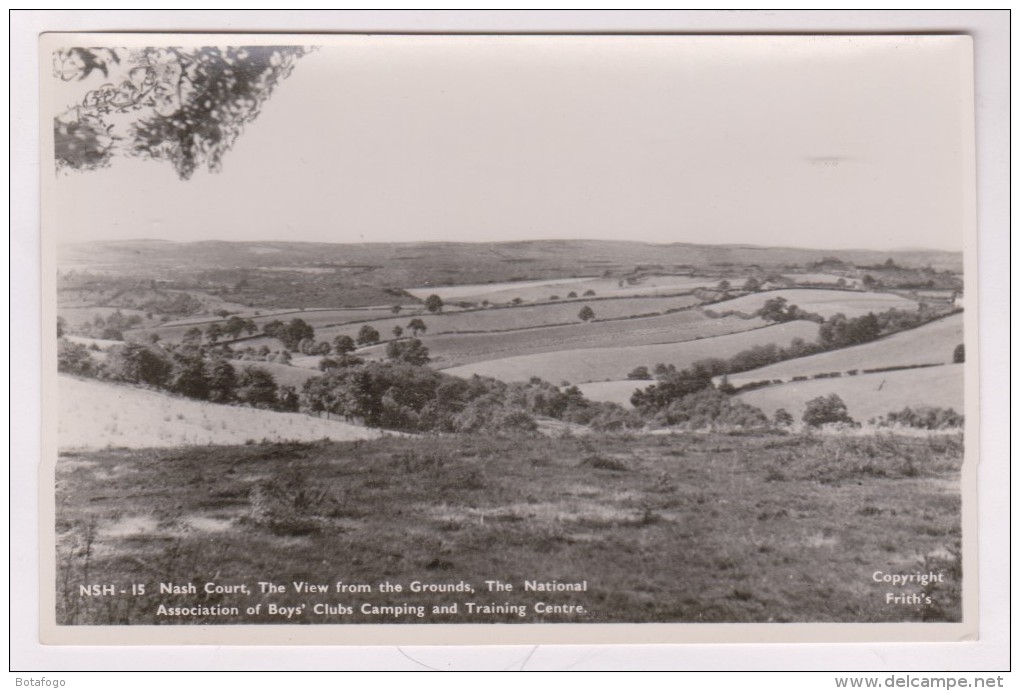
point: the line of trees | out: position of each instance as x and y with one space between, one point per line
190 371
666 397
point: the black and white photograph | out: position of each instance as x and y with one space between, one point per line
379 338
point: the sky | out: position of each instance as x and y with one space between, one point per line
824 142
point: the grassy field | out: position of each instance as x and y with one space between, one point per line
96 415
455 350
869 395
472 291
505 319
820 301
930 344
618 392
540 291
820 278
614 363
692 528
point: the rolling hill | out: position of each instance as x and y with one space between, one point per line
930 344
868 395
614 363
94 415
820 301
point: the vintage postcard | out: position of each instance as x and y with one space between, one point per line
366 339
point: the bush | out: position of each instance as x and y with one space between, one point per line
782 418
74 358
604 463
826 410
586 314
411 351
925 417
708 408
368 335
434 303
257 387
640 373
958 354
288 503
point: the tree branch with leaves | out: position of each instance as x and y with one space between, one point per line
183 105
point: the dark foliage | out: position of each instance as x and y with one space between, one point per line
826 410
188 105
411 351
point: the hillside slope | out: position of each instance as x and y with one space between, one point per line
94 415
931 344
868 395
601 364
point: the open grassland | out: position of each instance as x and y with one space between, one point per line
464 292
820 301
614 363
461 349
930 344
869 395
618 392
286 375
687 528
833 279
95 415
540 291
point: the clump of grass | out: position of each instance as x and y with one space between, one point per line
74 568
600 462
841 459
464 477
288 504
946 598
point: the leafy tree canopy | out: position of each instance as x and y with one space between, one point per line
186 106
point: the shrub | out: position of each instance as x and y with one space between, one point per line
368 335
586 313
411 351
782 418
614 418
709 408
288 504
924 417
74 358
434 303
343 344
640 373
257 387
603 463
826 410
958 354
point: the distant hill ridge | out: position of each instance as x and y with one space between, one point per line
530 258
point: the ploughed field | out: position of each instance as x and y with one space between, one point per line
656 528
